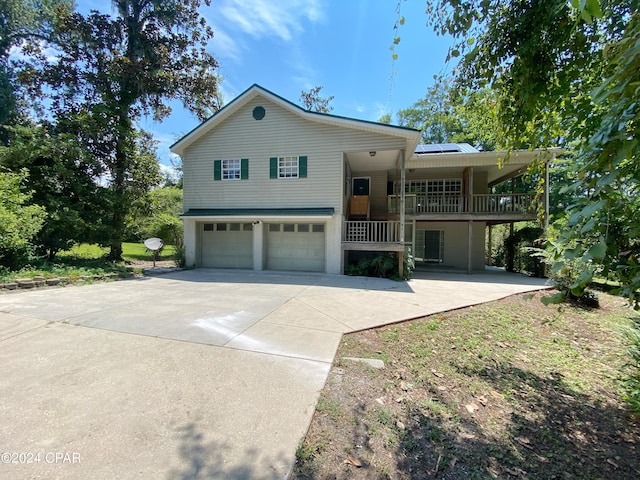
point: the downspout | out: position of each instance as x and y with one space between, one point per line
403 175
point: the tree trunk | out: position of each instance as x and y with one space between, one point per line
119 184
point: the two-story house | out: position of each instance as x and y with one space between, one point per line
269 185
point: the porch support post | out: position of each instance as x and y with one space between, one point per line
403 178
546 194
468 173
470 247
490 247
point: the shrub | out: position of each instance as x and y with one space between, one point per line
20 221
632 378
518 254
382 265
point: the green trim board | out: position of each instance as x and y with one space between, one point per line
273 167
266 212
244 168
302 166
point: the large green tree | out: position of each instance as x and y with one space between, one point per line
64 179
111 70
541 58
546 61
157 215
446 116
21 21
602 232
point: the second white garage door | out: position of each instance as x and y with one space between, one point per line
296 246
227 245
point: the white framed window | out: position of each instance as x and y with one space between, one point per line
447 186
288 167
231 169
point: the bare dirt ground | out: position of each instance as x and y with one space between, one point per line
510 389
144 264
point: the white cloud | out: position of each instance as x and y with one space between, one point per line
305 82
50 54
170 172
224 45
265 18
381 109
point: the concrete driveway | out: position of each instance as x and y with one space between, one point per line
190 375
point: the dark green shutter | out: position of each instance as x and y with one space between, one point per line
244 168
302 167
273 167
217 169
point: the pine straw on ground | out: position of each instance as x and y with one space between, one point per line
509 389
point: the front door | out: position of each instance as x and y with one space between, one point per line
361 186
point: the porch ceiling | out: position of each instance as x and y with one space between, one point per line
498 165
365 162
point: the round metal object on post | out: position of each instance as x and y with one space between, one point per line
153 243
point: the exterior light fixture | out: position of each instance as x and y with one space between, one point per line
373 153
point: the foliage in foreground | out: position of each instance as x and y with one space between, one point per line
109 70
565 73
632 376
20 221
82 260
384 265
602 233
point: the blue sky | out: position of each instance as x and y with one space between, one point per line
288 46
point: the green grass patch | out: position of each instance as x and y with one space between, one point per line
86 260
508 389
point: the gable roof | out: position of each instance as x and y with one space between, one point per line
411 135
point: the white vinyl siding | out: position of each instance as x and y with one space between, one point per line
280 134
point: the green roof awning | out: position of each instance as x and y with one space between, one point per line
259 212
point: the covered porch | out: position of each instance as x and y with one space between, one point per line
393 199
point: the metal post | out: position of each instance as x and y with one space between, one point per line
490 252
470 248
403 178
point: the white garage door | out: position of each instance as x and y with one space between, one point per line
227 245
296 246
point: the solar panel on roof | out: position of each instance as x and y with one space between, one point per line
435 148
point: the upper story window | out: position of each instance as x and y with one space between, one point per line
288 167
231 169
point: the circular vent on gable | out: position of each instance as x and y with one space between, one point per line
258 113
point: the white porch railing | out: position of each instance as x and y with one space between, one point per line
505 203
483 203
441 204
371 231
